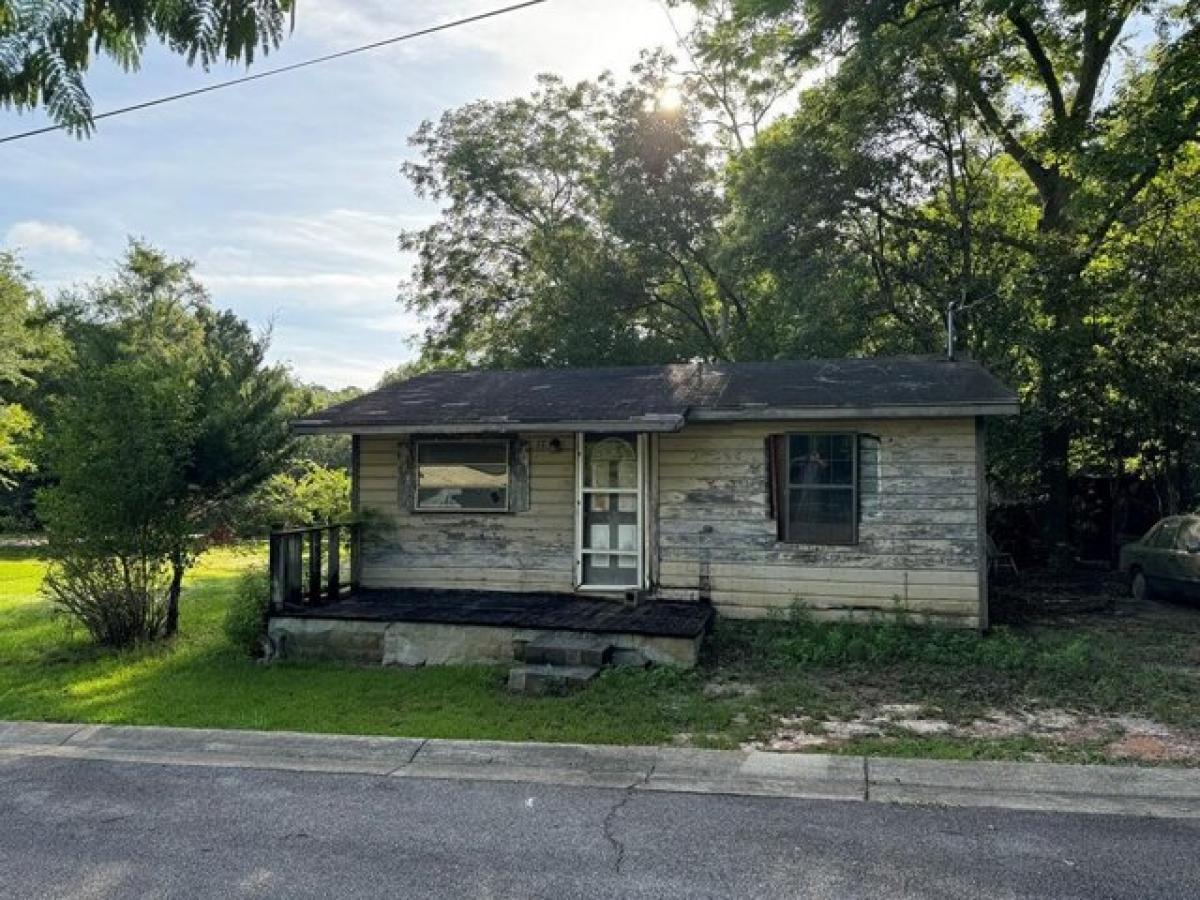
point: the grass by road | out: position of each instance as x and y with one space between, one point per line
1062 693
50 671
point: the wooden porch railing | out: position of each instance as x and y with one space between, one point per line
306 564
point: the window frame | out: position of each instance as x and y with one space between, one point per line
784 487
504 442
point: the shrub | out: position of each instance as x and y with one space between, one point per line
246 618
120 601
311 495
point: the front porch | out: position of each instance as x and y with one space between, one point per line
315 614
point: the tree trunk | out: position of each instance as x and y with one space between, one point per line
1061 360
1056 481
171 624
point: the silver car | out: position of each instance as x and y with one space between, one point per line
1166 560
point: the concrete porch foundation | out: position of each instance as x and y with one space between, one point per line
432 643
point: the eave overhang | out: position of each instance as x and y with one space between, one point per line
651 424
664 423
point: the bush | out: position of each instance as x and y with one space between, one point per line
246 618
120 601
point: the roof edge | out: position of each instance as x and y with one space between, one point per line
670 423
891 411
660 424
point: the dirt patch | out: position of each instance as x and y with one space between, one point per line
1117 737
1149 748
718 689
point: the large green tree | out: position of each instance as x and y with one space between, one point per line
26 345
1086 102
46 46
580 225
167 416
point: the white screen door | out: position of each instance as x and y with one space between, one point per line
609 527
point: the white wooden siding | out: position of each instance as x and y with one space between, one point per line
918 548
531 550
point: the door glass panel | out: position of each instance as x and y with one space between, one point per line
609 569
610 462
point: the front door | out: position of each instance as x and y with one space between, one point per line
609 519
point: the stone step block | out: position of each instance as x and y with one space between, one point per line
544 679
567 650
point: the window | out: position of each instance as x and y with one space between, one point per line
1189 537
817 492
1164 539
462 476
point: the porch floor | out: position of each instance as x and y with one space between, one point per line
560 612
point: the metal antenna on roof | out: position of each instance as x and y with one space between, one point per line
961 305
950 330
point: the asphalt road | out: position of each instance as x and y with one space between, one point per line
84 828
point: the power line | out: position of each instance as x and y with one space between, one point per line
445 26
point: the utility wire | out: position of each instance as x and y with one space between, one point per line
445 26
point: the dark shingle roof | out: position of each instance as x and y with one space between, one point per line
663 397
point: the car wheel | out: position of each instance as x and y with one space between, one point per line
1140 587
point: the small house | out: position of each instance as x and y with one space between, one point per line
635 503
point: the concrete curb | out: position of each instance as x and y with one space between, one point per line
1166 793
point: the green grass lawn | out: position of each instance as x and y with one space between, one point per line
756 679
49 671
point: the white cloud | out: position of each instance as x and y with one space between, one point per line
344 259
573 38
350 233
35 235
339 281
391 322
338 365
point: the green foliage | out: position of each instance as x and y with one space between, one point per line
315 495
580 226
737 69
166 418
951 669
966 153
25 345
245 621
46 46
328 450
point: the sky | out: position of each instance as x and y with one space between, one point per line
286 193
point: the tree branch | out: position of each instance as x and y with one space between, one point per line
1045 68
1040 176
1097 45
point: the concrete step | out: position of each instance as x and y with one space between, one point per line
545 679
629 659
566 650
